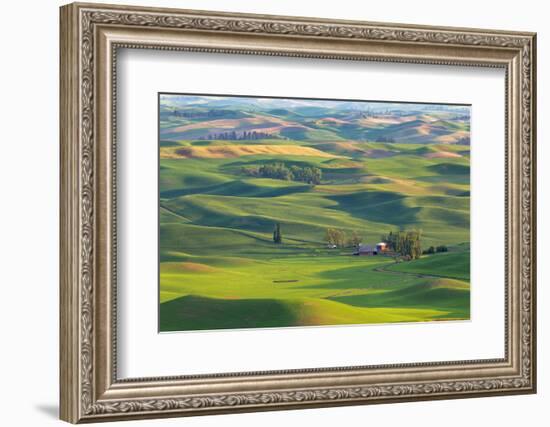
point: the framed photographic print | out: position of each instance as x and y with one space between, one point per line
266 212
278 221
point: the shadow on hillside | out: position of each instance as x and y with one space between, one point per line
200 313
359 277
430 294
377 206
237 188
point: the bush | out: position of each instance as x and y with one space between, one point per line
441 248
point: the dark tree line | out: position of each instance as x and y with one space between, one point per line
308 174
209 114
242 136
385 139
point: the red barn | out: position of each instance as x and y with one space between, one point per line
382 247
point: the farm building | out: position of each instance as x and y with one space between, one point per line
366 250
382 247
377 249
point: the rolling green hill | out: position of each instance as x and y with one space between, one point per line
219 265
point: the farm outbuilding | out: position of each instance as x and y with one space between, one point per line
365 249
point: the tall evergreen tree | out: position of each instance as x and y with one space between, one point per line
277 236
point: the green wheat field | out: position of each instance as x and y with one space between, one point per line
265 201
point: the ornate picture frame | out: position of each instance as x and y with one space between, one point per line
90 37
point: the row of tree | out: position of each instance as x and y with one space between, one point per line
334 236
206 114
308 174
241 136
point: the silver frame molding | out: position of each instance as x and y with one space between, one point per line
90 37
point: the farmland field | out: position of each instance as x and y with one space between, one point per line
250 188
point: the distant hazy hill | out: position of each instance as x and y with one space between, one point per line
196 117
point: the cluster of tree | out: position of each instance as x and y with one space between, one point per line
385 139
433 250
277 236
339 238
278 170
406 243
242 136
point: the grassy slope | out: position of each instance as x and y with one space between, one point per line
294 290
454 265
200 313
210 194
